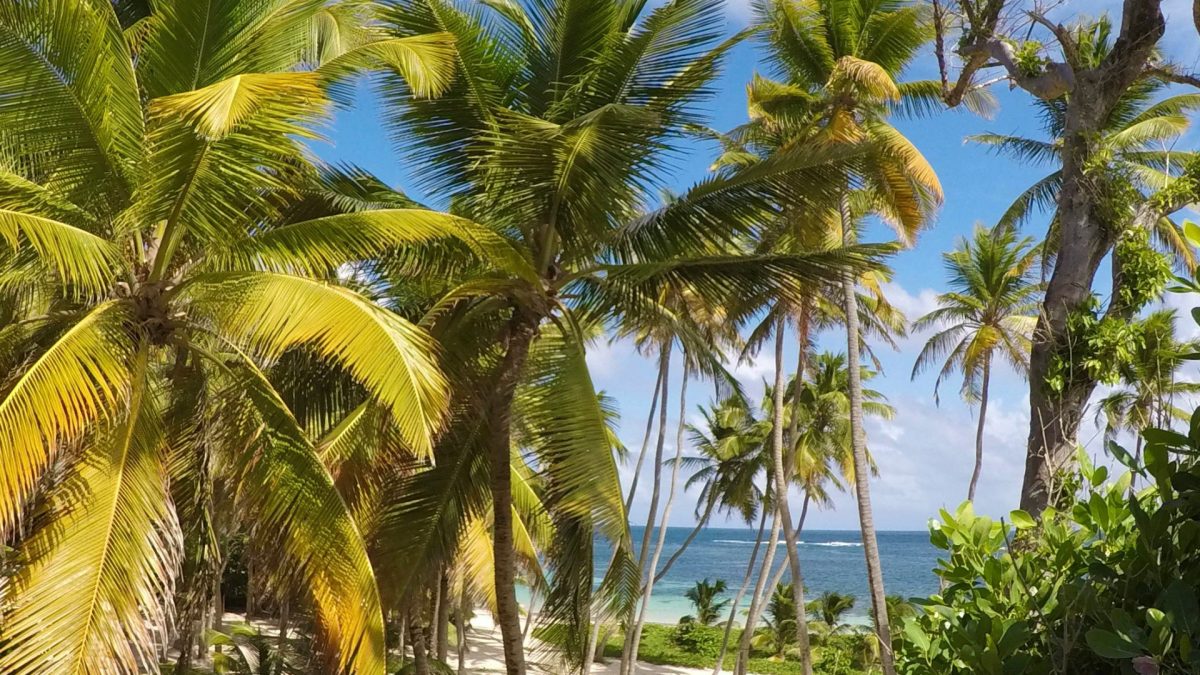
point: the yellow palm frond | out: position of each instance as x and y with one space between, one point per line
79 257
866 78
91 599
218 109
272 313
322 245
426 62
83 377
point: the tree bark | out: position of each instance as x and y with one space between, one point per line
420 657
862 468
628 656
521 331
757 600
983 403
648 590
737 599
443 619
785 510
460 628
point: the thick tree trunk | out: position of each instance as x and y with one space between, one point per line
597 624
983 404
737 599
628 656
664 522
522 329
416 635
785 510
757 600
862 468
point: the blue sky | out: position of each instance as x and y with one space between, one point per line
925 454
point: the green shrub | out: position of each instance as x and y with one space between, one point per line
1105 583
698 639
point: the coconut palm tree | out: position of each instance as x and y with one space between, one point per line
990 312
703 596
841 61
555 136
145 171
1150 381
830 607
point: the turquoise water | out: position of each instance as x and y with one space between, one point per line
831 560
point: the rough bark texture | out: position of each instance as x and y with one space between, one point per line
785 511
862 468
628 655
983 405
737 599
522 329
648 590
443 619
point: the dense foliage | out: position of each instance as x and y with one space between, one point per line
1103 582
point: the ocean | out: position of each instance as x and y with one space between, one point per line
831 560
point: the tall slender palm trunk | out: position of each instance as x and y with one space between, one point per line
648 589
757 600
628 656
983 405
737 599
785 510
862 483
521 331
594 637
700 524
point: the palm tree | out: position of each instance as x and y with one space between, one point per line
147 191
554 136
780 629
841 60
991 310
703 596
1150 381
830 607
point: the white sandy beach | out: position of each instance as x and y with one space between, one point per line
486 655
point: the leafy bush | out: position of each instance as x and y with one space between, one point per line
698 639
1105 583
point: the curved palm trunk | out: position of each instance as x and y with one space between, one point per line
862 485
983 402
708 509
594 637
522 329
662 528
737 599
627 655
757 600
785 510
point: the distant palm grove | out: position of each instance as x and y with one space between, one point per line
264 413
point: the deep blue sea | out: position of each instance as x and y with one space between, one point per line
831 560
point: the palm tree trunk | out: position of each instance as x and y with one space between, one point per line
737 599
443 619
416 635
460 628
663 523
628 656
597 624
781 502
521 331
862 485
708 509
757 601
983 402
